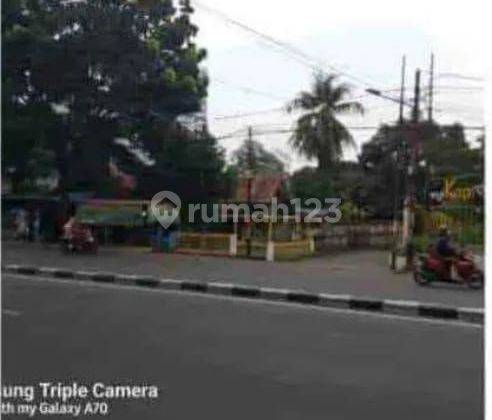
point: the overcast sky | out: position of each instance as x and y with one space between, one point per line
363 39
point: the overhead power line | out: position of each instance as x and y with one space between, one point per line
283 109
236 135
249 114
291 50
241 134
459 76
298 55
249 90
448 87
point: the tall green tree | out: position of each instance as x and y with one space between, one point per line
319 132
444 152
114 67
189 163
23 123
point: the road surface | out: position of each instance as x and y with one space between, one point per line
222 358
359 273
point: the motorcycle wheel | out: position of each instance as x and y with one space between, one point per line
91 247
418 277
64 247
476 281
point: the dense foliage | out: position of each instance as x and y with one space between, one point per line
77 75
444 152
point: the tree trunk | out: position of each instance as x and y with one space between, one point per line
324 164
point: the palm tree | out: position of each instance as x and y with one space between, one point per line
319 133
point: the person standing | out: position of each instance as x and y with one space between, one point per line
30 225
36 225
21 225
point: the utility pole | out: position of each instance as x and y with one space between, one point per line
402 88
249 178
431 89
416 103
399 154
414 137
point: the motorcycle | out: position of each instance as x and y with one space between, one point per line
78 239
432 268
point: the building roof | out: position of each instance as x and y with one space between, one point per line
263 188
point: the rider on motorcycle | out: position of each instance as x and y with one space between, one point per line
76 234
445 249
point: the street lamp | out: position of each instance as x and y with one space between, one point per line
402 143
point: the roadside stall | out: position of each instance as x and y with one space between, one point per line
118 221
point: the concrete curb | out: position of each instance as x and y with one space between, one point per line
395 307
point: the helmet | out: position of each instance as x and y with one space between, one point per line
443 230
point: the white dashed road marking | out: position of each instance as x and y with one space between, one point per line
10 312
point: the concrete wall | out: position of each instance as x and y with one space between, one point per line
329 237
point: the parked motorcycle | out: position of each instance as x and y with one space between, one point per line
78 238
461 269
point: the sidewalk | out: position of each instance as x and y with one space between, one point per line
361 273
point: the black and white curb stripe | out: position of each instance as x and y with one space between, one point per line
396 307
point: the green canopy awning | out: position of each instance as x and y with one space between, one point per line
126 213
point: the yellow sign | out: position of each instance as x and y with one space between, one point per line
454 193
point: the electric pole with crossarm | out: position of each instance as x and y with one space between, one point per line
413 159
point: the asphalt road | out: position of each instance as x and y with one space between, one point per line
358 273
220 358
